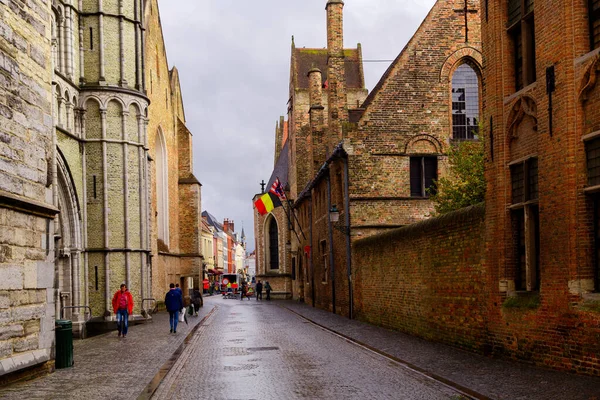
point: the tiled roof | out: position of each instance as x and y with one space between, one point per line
307 59
212 221
281 169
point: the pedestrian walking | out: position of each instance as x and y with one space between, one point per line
196 300
268 289
174 304
244 291
259 288
122 303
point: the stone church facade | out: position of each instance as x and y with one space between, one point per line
97 165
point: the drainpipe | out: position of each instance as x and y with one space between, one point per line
310 259
330 232
107 298
348 235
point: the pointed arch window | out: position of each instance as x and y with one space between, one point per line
272 244
162 188
465 103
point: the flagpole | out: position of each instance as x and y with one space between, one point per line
296 219
293 213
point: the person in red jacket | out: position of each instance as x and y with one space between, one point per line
122 303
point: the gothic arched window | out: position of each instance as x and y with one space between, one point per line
273 244
465 103
162 188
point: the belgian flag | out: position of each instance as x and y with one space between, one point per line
270 200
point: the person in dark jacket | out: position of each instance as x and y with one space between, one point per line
268 289
196 300
174 303
259 288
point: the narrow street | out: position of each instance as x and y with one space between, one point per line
252 350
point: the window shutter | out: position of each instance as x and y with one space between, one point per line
514 11
415 177
518 183
430 173
533 179
593 161
595 23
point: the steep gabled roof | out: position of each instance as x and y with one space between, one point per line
307 59
281 168
370 98
212 221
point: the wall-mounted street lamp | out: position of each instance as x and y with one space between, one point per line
334 217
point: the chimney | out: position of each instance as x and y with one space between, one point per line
336 73
335 27
231 226
318 145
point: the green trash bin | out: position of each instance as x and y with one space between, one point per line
64 343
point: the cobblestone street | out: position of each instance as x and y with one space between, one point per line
274 350
257 350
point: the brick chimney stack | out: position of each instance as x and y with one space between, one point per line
335 27
336 72
317 141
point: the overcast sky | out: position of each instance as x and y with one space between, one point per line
233 58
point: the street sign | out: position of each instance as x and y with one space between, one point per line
225 281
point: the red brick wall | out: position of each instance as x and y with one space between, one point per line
426 279
563 329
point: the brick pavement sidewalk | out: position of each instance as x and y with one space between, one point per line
489 377
108 367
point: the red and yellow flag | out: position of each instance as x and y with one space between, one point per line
266 203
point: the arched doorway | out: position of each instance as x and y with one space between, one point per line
69 247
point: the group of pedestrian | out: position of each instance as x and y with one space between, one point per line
259 290
122 303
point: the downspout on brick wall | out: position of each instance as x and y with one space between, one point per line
348 234
330 233
310 259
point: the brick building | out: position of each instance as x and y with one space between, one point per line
81 71
542 230
372 157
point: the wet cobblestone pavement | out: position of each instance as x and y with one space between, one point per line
272 350
491 378
257 350
107 367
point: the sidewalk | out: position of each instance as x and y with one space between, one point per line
107 367
491 378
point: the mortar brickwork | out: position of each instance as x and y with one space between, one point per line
99 177
27 302
562 330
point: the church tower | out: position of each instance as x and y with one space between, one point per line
100 117
116 152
